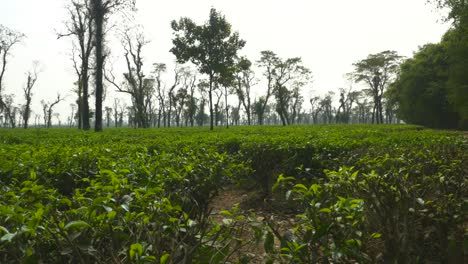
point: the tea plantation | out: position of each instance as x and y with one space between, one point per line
353 193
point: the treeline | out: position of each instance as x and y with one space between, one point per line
429 89
432 87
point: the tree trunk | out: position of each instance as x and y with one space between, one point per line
210 94
227 107
99 20
84 98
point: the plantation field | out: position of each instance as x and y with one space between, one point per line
310 194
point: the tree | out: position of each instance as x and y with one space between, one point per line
8 39
101 10
108 115
190 83
136 85
377 71
458 9
179 102
31 81
456 42
245 78
10 110
315 109
421 89
48 108
212 47
80 26
326 107
268 61
159 68
281 75
178 71
201 115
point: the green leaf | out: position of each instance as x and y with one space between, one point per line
300 187
376 235
325 210
125 207
136 249
111 215
226 213
32 175
4 230
7 237
164 258
269 243
76 224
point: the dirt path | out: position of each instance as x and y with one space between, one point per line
249 201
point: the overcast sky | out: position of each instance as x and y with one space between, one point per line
329 35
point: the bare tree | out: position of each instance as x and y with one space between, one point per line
80 26
8 39
267 61
190 80
108 115
10 110
31 81
136 85
170 93
72 115
48 108
101 10
160 68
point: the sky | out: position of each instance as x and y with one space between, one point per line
328 35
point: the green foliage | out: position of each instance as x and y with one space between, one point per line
212 47
145 196
432 87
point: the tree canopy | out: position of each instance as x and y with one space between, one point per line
212 47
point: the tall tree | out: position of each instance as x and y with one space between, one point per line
377 71
136 85
245 78
80 26
101 10
287 77
160 68
212 47
8 39
268 61
31 81
178 71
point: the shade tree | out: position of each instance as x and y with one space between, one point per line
212 47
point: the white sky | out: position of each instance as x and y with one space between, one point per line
329 35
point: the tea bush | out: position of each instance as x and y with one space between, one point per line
390 193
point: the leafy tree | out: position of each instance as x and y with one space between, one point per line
212 47
421 89
458 9
245 79
284 79
377 71
456 41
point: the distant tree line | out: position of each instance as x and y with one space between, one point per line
430 89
